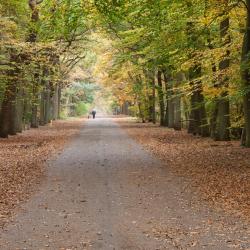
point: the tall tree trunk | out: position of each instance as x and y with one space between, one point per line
161 97
169 119
213 118
141 114
34 107
177 103
166 81
171 109
198 124
33 4
13 109
47 106
5 112
13 96
55 103
223 119
59 100
42 108
245 75
214 114
170 105
152 114
19 109
177 113
27 109
203 122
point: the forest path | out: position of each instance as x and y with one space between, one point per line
105 192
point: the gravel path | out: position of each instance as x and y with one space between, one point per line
105 192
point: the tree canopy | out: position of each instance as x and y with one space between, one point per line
182 63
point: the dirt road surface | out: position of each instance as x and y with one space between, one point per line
105 192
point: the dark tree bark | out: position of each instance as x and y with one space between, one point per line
198 124
166 81
47 101
55 103
177 113
245 75
223 119
198 119
32 38
8 108
170 105
19 109
161 97
141 114
213 119
59 100
214 115
42 109
151 97
13 110
177 103
34 107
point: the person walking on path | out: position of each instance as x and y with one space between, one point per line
93 113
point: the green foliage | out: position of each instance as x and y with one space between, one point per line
122 44
82 108
77 98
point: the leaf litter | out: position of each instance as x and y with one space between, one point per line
22 161
219 172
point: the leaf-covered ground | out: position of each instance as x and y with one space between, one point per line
22 160
218 171
105 192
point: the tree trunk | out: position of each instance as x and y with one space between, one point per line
213 119
59 100
193 118
161 98
198 119
171 112
33 4
8 108
151 98
141 115
245 75
19 109
34 107
223 120
27 110
13 112
42 108
169 119
47 106
177 113
34 118
5 113
170 105
55 103
177 102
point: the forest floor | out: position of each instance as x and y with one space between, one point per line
106 192
219 172
22 161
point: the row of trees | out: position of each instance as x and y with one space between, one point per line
185 63
37 53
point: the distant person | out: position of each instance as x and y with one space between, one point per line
93 113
